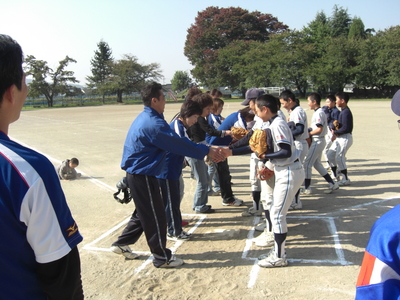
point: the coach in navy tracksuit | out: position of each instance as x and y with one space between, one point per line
147 142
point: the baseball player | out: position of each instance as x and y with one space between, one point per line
255 183
317 132
332 114
343 139
289 175
298 116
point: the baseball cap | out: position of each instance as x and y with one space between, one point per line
396 103
251 94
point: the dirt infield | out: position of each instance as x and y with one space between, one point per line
325 241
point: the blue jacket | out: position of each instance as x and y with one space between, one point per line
226 125
147 142
173 162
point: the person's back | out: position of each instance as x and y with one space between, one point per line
39 237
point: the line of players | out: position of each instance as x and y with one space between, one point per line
309 144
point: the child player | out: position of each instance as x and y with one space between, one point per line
289 175
317 133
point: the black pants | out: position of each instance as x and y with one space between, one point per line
170 191
148 217
225 181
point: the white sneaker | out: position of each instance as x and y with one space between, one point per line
125 251
295 205
184 236
261 226
272 261
236 202
344 182
265 239
173 263
305 191
332 187
252 212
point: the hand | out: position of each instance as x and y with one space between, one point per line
225 151
216 154
228 132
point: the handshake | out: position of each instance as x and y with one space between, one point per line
218 154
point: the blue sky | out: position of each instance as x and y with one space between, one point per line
153 31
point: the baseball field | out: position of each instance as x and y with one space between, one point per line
326 239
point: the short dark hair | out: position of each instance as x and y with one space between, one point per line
11 59
331 97
152 90
343 95
190 108
74 161
286 95
315 97
268 101
204 100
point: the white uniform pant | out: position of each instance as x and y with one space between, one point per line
313 158
267 190
254 181
288 180
302 146
328 140
337 152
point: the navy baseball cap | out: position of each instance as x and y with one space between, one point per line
396 103
251 94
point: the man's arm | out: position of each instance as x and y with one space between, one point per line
61 279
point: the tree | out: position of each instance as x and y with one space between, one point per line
215 28
128 75
357 29
59 79
101 68
339 22
181 81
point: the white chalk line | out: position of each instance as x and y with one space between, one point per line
332 229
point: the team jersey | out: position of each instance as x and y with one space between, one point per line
298 116
147 142
281 134
319 120
36 223
379 276
233 120
214 121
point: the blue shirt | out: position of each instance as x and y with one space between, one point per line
36 223
332 114
147 142
345 121
227 124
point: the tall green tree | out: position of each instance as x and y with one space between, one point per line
181 81
339 22
357 29
215 28
58 80
128 75
101 68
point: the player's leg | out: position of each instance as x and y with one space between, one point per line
288 181
346 141
200 173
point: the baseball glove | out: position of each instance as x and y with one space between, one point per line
336 125
238 132
258 142
265 173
